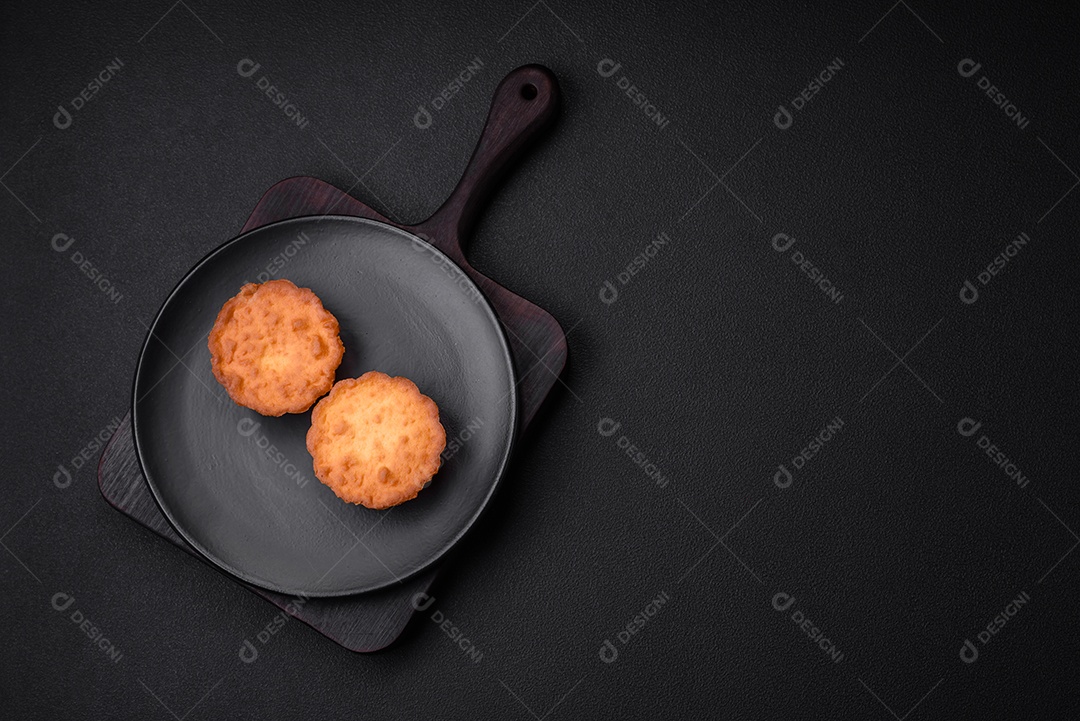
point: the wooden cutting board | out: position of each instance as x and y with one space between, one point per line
371 621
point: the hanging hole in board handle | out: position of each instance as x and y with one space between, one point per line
526 102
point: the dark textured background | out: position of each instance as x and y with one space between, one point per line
720 359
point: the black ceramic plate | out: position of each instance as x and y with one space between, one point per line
239 487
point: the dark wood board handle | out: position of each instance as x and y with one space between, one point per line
525 103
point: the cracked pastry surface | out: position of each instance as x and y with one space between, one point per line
275 348
376 440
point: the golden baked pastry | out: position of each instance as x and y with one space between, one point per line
275 348
376 440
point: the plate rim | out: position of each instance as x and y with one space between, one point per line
500 473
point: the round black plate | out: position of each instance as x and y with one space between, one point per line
239 486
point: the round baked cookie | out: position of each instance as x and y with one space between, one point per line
275 348
376 440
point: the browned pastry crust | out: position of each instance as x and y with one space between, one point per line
376 440
275 348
